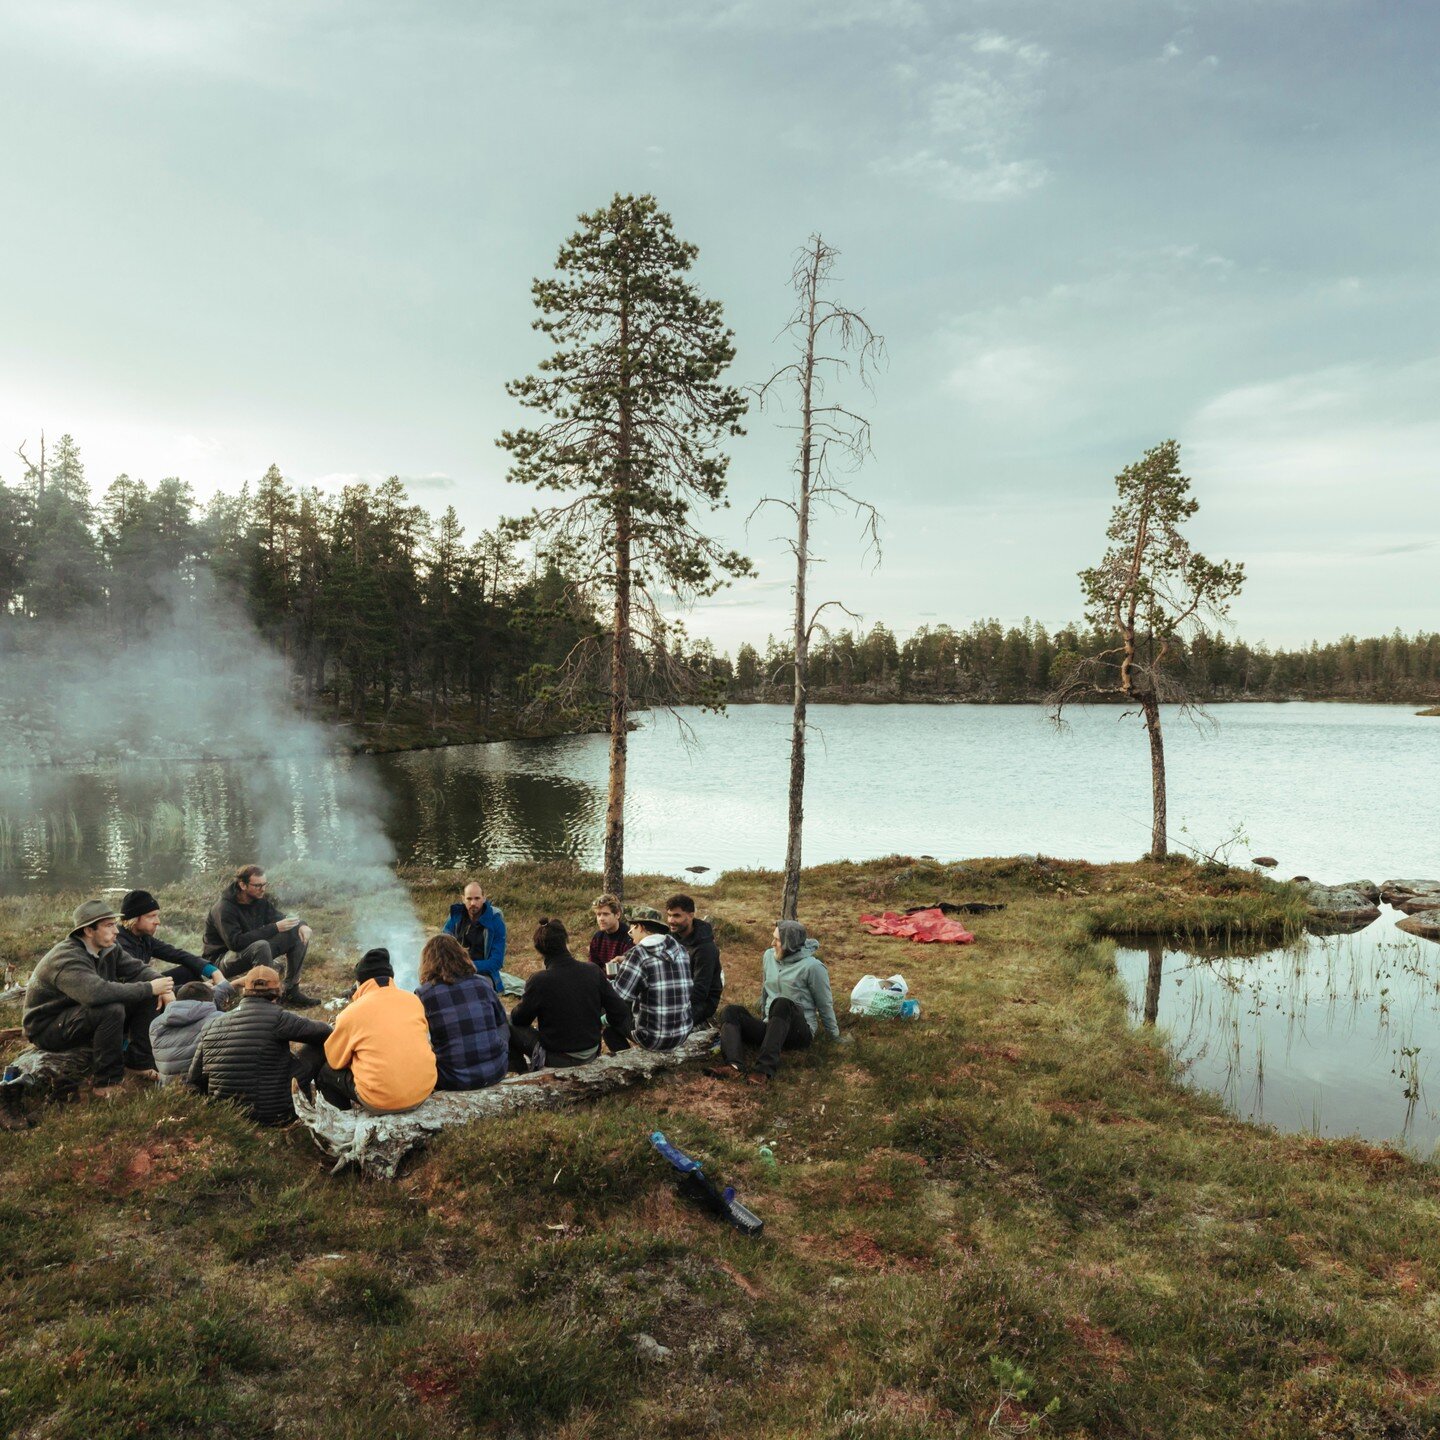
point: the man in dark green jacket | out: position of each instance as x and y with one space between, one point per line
88 993
245 914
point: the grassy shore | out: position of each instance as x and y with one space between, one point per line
1004 1217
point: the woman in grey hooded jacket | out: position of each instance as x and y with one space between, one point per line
795 1002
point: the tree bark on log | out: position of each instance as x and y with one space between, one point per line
377 1143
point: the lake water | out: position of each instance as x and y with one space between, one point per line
1315 1038
1333 791
1336 1036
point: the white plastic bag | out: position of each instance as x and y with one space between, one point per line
874 996
865 990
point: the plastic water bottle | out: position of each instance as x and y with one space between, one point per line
768 1163
909 1009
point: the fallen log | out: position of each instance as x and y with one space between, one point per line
378 1143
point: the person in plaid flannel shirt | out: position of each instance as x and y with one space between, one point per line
469 1030
654 980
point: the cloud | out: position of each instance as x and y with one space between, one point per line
1339 455
802 16
114 34
972 107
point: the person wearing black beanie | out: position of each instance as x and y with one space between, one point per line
375 965
379 1055
139 920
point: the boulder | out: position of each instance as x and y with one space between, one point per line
1411 895
377 1143
1268 862
1426 925
1368 888
1341 908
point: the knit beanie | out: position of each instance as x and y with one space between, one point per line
792 935
137 903
374 965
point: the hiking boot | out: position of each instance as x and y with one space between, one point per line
297 999
725 1072
758 1078
12 1108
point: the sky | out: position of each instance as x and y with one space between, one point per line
305 233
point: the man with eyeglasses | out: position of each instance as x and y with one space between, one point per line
246 928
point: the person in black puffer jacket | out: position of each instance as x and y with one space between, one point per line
245 1056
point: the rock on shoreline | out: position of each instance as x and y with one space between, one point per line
1342 908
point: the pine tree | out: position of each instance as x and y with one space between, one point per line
637 411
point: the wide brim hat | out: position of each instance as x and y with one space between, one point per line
644 915
92 912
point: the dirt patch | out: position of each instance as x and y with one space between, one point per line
718 1101
432 1385
159 1161
985 1050
1377 1160
1107 1348
1405 1276
726 1268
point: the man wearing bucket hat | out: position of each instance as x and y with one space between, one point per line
88 993
654 980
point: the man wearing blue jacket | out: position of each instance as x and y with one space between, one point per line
480 927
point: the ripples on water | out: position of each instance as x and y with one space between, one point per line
1332 790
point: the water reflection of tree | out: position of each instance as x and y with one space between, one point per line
1351 1007
451 810
1156 954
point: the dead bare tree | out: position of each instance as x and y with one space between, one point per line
32 469
830 341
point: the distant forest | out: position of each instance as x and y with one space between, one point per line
988 663
386 616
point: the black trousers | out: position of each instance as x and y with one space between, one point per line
337 1086
118 1036
783 1029
524 1041
266 952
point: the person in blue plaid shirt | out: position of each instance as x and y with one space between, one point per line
469 1030
654 980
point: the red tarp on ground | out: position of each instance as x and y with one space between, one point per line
928 927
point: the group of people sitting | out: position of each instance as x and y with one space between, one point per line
224 1021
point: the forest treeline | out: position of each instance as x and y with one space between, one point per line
381 611
990 663
372 603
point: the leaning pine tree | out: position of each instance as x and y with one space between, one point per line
637 411
1149 592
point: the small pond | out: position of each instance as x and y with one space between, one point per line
1336 1035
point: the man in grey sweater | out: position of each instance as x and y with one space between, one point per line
88 993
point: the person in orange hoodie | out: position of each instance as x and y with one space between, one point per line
379 1054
